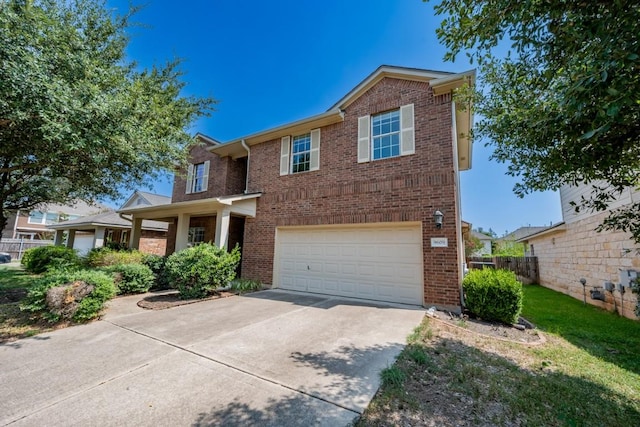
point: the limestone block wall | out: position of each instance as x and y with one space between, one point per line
578 251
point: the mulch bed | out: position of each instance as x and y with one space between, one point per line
169 300
525 333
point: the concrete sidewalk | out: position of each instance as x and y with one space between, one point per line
268 358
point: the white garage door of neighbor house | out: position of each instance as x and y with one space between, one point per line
381 263
83 243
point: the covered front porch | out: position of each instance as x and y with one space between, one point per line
195 221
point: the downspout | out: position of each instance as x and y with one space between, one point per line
246 181
15 224
456 168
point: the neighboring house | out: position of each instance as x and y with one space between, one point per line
572 249
340 203
485 250
95 231
521 232
35 224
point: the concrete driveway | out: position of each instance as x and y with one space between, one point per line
269 358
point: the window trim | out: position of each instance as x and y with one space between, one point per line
382 135
293 153
286 152
191 178
407 134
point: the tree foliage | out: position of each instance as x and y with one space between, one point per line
472 245
563 106
78 120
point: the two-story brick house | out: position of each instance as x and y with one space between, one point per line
342 202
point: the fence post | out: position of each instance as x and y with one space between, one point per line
20 248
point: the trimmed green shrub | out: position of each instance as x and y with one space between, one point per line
40 259
195 272
493 294
102 257
157 265
131 278
78 296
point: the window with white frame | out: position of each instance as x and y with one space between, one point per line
36 217
124 237
301 153
44 218
196 235
385 135
197 177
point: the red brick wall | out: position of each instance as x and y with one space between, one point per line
226 177
153 242
343 191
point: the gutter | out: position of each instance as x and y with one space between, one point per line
246 180
121 215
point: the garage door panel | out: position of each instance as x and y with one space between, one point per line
381 263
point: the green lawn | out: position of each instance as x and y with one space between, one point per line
586 374
14 323
604 335
12 276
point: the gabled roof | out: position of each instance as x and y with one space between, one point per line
109 219
441 82
480 236
403 73
556 228
146 199
521 232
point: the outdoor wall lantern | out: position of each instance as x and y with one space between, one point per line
437 218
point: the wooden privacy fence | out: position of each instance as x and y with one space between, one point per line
526 268
16 247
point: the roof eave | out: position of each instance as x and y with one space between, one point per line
235 149
391 72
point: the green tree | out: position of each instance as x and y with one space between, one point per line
471 245
563 105
508 248
78 120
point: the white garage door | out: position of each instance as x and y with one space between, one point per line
83 243
381 263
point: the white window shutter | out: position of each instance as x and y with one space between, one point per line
315 150
189 179
407 133
364 143
285 146
205 176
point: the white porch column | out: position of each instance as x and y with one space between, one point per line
136 233
182 231
98 237
222 227
57 240
71 238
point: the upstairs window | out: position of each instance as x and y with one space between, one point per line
386 135
301 153
38 217
385 132
197 177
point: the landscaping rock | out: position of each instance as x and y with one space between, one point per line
63 300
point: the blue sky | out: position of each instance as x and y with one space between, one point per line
273 62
